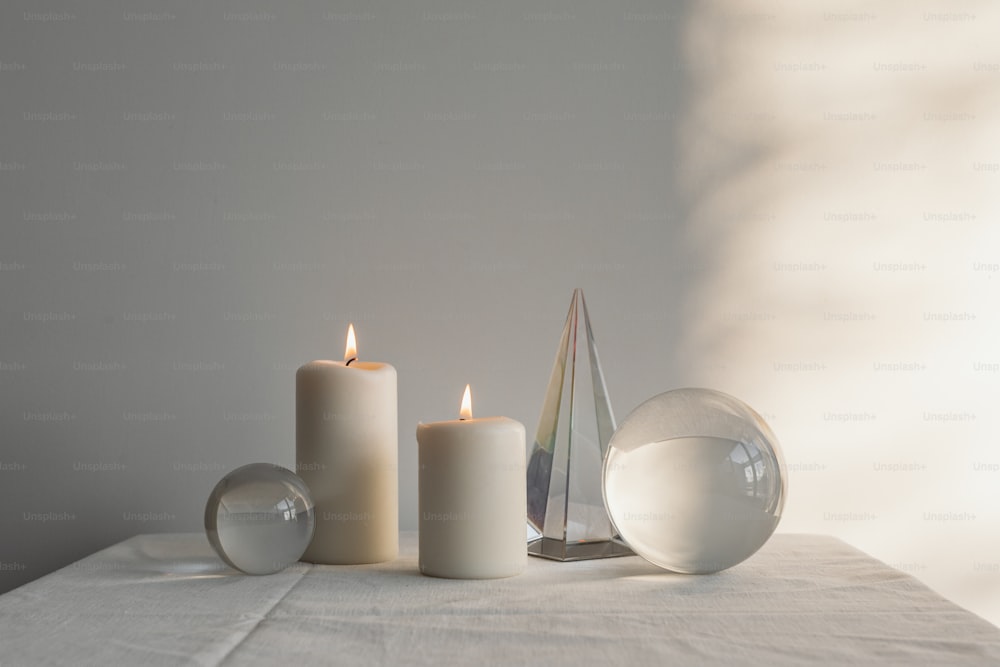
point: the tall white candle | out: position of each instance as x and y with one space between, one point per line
346 452
472 497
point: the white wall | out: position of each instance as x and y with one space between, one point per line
195 200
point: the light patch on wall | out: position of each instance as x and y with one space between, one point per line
840 165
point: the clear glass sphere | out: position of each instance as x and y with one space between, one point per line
260 518
694 481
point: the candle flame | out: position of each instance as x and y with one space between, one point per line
466 411
351 351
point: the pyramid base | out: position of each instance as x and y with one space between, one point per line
546 547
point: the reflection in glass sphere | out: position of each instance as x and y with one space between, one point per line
694 481
260 518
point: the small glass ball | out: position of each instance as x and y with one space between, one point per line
260 518
694 481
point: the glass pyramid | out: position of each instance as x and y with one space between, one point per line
566 515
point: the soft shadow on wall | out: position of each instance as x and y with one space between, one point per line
840 168
205 196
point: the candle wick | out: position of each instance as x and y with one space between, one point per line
350 360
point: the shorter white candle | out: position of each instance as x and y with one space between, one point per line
472 497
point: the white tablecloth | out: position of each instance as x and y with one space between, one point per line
167 599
